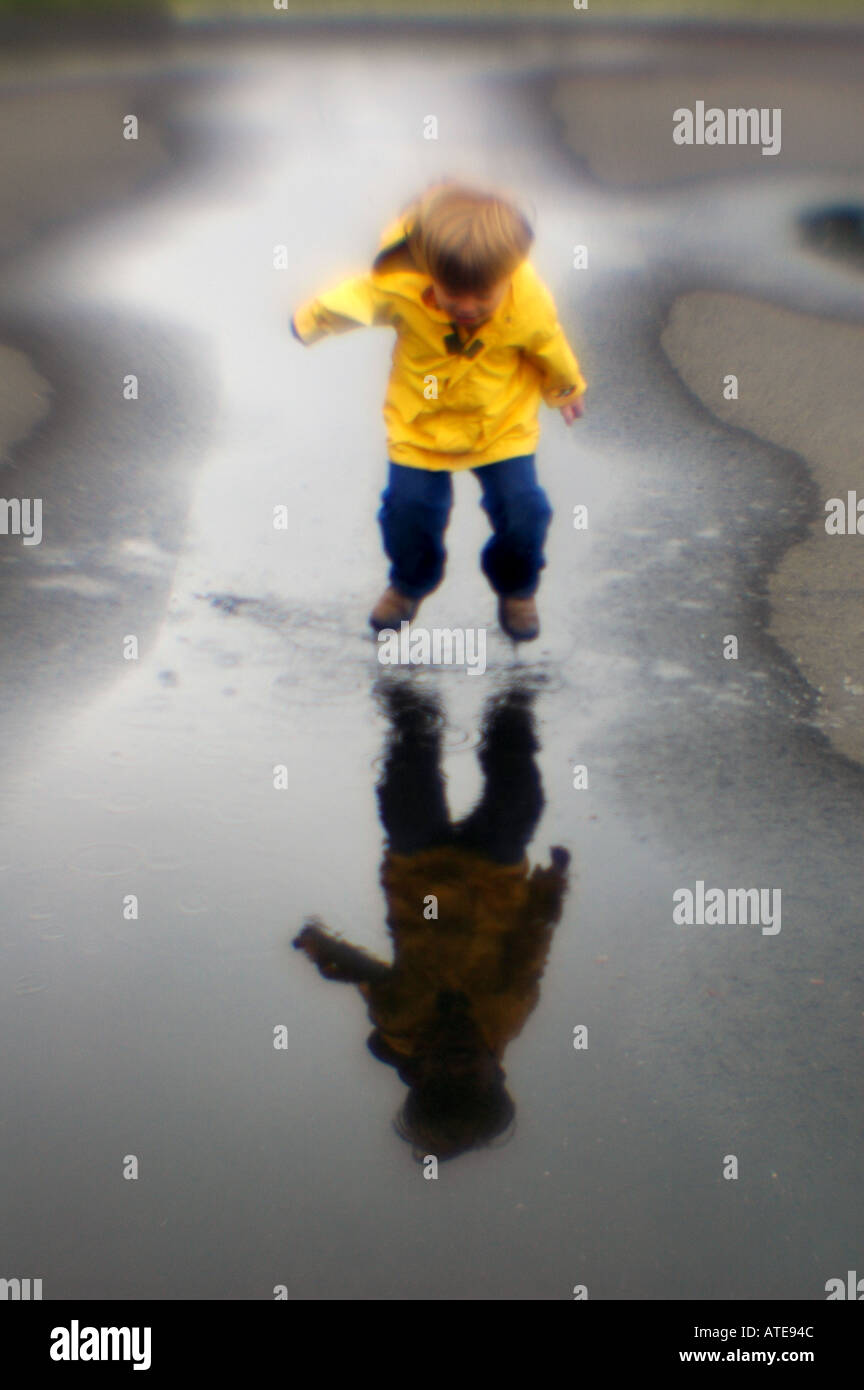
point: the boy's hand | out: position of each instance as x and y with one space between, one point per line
573 410
312 938
337 959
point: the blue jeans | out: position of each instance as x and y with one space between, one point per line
415 509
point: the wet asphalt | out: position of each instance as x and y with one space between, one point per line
153 1036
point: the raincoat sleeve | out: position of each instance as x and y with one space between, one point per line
548 350
358 302
525 950
528 945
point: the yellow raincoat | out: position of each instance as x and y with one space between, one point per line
490 941
488 395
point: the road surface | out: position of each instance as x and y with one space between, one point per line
152 1037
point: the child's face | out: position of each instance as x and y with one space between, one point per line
470 308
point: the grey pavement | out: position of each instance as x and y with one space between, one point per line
153 1037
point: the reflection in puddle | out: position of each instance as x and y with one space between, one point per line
471 924
105 860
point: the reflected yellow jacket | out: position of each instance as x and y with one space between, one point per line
487 402
490 941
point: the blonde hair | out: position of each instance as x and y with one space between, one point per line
465 238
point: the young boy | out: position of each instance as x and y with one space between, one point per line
462 986
478 345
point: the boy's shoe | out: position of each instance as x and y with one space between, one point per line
392 609
519 618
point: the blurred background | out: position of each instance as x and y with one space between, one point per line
272 149
805 10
